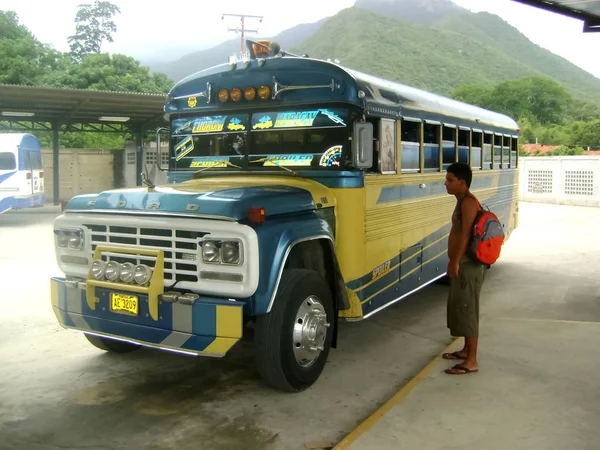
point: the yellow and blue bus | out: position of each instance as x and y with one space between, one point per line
301 193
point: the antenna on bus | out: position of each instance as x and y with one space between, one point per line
243 28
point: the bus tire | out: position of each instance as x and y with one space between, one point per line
111 345
293 340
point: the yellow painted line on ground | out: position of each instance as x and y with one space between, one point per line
524 319
394 401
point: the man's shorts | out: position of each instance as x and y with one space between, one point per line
463 300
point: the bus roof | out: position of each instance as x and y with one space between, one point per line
24 141
305 81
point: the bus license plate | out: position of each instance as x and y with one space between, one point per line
124 303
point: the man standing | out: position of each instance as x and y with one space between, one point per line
466 276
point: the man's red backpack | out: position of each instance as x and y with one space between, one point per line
487 239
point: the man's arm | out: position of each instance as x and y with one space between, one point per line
462 237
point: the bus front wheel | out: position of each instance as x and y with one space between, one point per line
293 340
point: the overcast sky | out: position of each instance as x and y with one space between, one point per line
145 29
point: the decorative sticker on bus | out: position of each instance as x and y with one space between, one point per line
210 161
210 124
286 160
300 119
263 123
331 157
183 148
235 124
383 269
192 101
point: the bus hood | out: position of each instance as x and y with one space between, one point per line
220 196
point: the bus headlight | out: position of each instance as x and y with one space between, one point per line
98 267
73 238
127 272
230 252
210 252
113 271
142 274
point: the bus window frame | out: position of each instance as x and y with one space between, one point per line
480 133
438 129
469 141
419 143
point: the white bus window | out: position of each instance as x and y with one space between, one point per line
464 136
431 147
477 144
7 161
411 146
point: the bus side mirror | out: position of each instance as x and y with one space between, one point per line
158 150
362 145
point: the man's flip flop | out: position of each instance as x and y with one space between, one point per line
453 355
462 370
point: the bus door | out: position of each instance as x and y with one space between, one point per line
31 166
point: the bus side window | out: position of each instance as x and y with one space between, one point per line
476 150
7 161
487 151
505 152
449 143
431 147
411 146
514 146
497 151
464 140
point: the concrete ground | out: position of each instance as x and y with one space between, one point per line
539 352
535 386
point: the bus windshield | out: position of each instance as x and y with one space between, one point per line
305 139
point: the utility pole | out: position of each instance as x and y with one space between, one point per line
243 28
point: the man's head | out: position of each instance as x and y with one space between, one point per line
458 178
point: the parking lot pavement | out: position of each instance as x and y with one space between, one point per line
57 391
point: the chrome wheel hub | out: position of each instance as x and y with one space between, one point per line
310 331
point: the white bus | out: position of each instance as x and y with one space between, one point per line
21 173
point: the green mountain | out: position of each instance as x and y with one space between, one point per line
430 44
457 50
420 11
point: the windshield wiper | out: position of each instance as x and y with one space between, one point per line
274 165
227 164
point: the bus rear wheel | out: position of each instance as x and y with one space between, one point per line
293 340
111 345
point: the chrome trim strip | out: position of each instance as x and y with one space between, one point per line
146 344
285 257
402 296
149 213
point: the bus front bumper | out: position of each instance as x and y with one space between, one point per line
208 327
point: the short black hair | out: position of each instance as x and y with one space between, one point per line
462 171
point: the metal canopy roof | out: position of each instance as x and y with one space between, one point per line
586 10
78 106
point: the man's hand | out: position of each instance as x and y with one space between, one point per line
452 269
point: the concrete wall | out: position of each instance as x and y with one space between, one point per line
564 180
81 171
